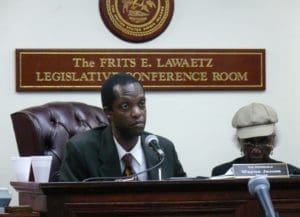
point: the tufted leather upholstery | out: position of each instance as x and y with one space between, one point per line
43 130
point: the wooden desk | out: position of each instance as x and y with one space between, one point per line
203 198
19 211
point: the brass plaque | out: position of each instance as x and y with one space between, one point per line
136 20
157 69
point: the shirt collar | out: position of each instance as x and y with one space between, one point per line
136 151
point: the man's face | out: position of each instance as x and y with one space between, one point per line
257 149
128 113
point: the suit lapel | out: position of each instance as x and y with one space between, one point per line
108 158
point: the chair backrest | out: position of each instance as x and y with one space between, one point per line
44 129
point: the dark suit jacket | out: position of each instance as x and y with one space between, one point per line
94 154
223 168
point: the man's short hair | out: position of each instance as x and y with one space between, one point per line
107 91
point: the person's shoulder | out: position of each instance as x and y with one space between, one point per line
88 136
162 140
234 161
222 165
292 169
221 169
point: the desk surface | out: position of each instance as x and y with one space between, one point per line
19 211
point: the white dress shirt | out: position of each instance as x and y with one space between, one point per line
138 158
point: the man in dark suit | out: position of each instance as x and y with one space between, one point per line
100 152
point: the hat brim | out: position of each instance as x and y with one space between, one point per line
255 131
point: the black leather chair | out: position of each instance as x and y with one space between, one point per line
44 129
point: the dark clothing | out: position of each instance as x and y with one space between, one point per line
94 154
223 168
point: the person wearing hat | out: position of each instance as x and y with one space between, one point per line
255 131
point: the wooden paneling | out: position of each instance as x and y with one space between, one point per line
186 198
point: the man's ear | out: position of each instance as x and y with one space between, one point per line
107 111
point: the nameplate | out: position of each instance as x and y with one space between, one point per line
269 169
157 69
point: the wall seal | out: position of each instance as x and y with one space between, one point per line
136 20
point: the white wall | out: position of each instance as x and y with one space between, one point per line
198 122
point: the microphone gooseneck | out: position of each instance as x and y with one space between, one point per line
259 186
153 142
123 178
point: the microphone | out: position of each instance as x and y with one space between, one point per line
259 186
153 142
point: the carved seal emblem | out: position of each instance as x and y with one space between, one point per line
136 20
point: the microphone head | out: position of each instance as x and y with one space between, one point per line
151 138
258 182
